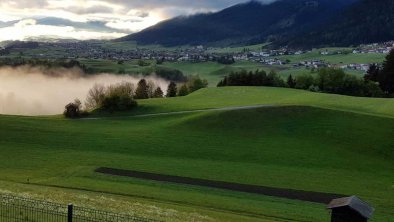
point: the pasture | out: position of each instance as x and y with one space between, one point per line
345 58
307 141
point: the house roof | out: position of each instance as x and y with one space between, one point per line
354 203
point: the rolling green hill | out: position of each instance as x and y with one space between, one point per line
249 96
292 146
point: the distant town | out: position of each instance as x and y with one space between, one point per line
273 57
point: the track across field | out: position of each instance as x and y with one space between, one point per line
316 197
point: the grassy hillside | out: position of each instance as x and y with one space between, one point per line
294 147
213 71
346 58
248 96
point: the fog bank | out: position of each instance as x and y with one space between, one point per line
35 91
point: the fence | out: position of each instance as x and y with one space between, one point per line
18 209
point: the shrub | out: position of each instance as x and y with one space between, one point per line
195 83
183 91
95 97
118 97
73 110
117 102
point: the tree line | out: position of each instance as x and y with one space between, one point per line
257 78
123 96
46 63
383 76
378 82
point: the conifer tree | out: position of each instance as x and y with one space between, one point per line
183 91
172 90
142 91
291 82
386 76
158 93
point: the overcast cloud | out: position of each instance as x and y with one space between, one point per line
94 19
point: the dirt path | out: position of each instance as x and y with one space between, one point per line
184 112
316 197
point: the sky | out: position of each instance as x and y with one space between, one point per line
93 19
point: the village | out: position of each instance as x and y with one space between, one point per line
274 57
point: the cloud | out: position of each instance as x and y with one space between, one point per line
25 23
29 28
31 91
93 17
90 10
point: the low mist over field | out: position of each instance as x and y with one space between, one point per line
35 91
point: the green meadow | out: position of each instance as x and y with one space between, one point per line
345 58
303 140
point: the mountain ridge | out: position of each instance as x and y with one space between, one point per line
250 22
367 21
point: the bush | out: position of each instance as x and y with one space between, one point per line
116 102
73 110
183 91
118 97
195 83
95 97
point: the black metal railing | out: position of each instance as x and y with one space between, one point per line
20 209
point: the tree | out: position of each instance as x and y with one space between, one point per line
304 81
151 88
183 91
195 83
142 91
275 80
372 73
95 97
73 110
172 90
158 93
118 97
386 76
291 82
331 80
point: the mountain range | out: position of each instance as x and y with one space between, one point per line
295 23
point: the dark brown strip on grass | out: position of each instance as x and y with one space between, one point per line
316 197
